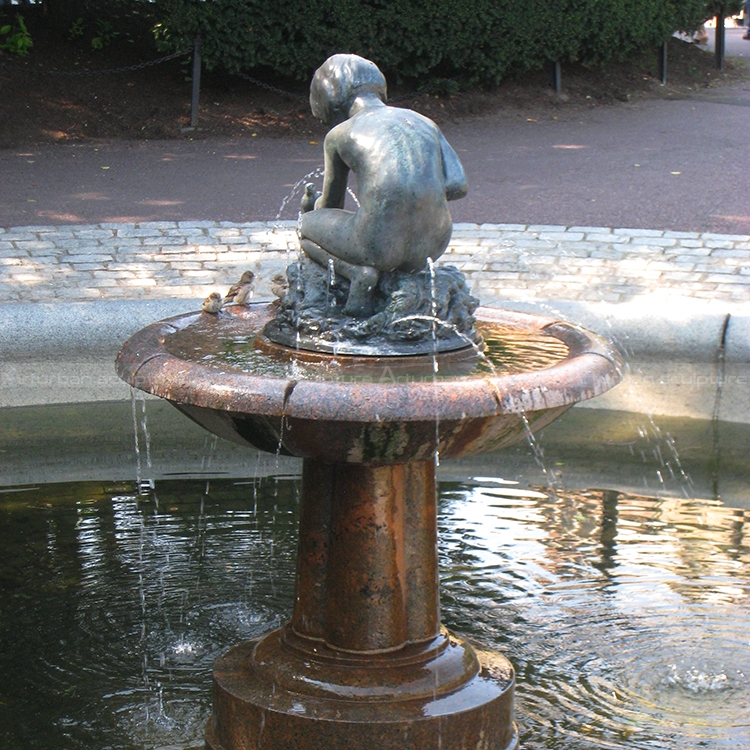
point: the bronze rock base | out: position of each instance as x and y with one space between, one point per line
287 691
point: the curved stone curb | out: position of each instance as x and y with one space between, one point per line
663 297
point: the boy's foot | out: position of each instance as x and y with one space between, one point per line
746 35
363 281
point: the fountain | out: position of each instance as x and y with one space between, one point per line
375 364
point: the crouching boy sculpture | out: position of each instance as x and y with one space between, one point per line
363 284
406 172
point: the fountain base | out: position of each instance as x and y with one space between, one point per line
292 692
412 313
364 662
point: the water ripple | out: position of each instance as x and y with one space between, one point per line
627 617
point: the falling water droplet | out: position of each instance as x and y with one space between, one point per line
435 365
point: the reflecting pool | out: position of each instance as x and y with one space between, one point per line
627 616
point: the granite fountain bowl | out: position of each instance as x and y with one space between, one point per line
221 372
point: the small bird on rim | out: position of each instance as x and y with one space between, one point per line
240 292
213 303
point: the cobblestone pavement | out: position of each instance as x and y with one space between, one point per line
157 260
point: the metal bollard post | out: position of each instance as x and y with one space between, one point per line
663 63
557 77
196 82
719 39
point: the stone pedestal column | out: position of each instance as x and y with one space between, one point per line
363 663
367 577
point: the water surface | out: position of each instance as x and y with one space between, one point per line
225 344
627 616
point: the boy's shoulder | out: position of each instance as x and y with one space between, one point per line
415 117
342 129
381 117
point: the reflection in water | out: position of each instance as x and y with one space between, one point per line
224 343
627 617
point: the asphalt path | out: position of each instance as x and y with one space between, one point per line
667 164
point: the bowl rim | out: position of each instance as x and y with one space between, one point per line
592 367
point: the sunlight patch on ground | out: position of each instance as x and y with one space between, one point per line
742 221
57 216
127 219
58 135
160 203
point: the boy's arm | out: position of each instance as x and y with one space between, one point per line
335 175
456 185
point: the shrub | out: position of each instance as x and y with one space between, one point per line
468 41
15 38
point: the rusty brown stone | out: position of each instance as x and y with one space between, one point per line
368 418
360 586
250 713
364 662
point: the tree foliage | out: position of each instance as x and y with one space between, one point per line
474 41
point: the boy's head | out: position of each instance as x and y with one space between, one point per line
338 81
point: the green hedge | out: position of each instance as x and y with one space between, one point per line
474 41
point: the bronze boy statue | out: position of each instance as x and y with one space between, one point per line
406 173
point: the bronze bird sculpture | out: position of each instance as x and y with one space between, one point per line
280 285
308 199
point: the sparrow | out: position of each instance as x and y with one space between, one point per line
308 199
239 293
213 303
280 285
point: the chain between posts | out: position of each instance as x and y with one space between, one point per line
301 97
195 51
273 89
104 71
